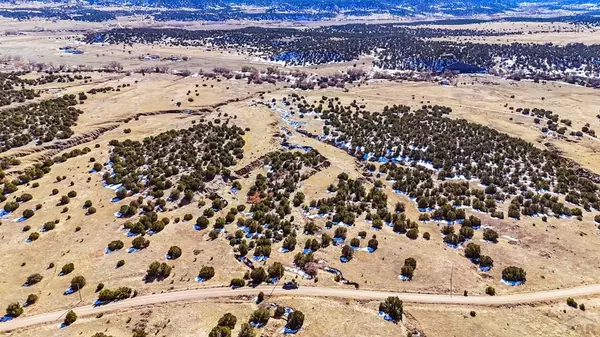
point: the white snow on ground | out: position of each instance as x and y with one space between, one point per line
297 271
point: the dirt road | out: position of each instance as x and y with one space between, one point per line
198 294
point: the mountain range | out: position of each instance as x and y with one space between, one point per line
329 8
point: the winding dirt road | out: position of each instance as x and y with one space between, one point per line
198 294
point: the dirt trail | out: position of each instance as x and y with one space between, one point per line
199 294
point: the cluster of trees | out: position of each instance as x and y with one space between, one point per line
530 204
70 318
31 299
103 90
514 274
237 283
393 307
34 279
174 252
262 247
408 269
101 334
306 262
260 316
175 164
351 200
78 282
108 295
490 235
468 149
506 166
140 242
63 13
286 170
14 310
206 273
52 76
147 222
585 129
295 320
407 179
347 252
200 12
395 47
276 270
340 233
67 269
115 245
224 326
15 88
258 276
30 173
40 122
271 207
273 230
473 252
450 195
486 261
452 238
33 236
572 303
158 271
62 158
552 120
311 244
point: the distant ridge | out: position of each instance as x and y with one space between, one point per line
303 10
398 7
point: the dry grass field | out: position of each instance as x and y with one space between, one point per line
541 320
529 32
557 254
